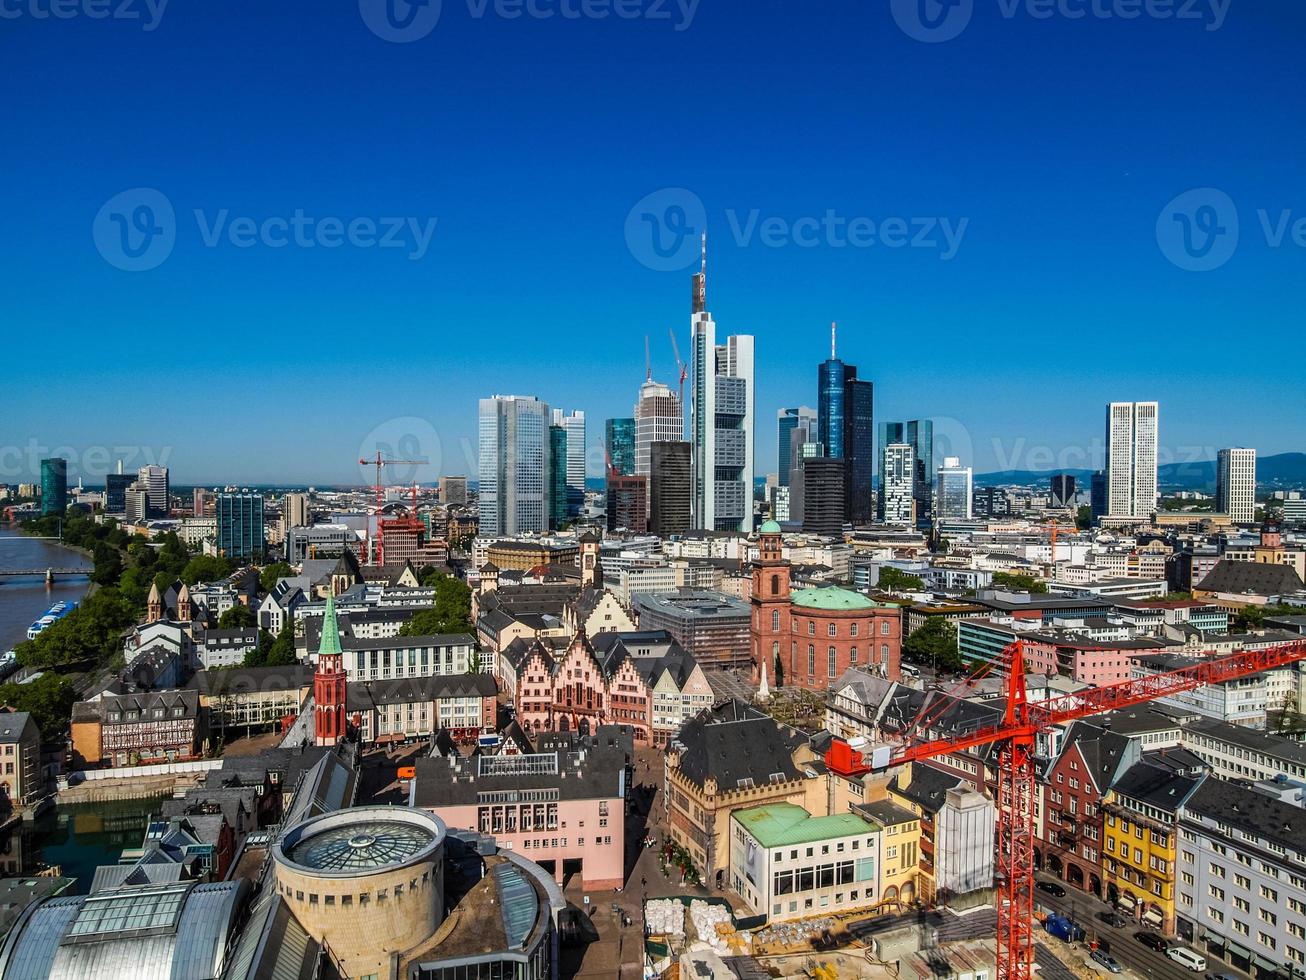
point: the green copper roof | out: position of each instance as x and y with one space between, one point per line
770 527
330 631
832 597
783 824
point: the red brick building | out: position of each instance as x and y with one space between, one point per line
816 634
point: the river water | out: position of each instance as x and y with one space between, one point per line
23 600
76 839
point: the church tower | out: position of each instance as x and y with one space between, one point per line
770 624
153 605
329 682
590 572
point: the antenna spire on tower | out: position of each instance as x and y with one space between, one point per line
702 265
832 326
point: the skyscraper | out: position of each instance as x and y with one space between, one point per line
825 480
240 525
574 423
54 485
1131 448
1235 484
453 490
659 417
919 434
1097 494
295 511
794 426
628 503
154 481
845 425
954 490
722 419
115 492
619 446
897 476
557 471
1063 490
671 499
513 470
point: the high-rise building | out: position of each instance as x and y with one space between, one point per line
825 508
154 481
453 491
1235 484
671 498
919 434
722 419
794 426
845 425
897 476
1063 490
240 525
1097 494
201 502
990 502
1131 451
574 423
557 476
294 510
659 417
136 503
54 485
628 503
619 446
513 470
115 492
953 490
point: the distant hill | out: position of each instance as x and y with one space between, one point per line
1281 471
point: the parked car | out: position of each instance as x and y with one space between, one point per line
1113 919
1052 888
1063 928
1185 957
1152 941
1105 960
1220 976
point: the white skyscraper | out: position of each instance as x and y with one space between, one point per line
1131 449
513 470
897 480
154 481
953 490
659 417
721 421
1235 484
574 425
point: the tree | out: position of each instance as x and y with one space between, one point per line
267 579
108 564
205 568
896 580
451 612
278 652
1018 582
237 617
49 699
779 671
934 644
474 662
1084 517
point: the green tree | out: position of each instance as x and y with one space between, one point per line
1084 517
108 564
267 579
49 699
451 612
934 644
896 580
205 568
779 671
1018 582
90 633
238 616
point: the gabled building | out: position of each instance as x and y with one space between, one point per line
678 685
20 760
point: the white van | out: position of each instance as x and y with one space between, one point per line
1187 958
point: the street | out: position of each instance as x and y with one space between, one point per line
1083 908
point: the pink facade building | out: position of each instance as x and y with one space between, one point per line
563 806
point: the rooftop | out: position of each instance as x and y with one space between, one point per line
361 840
784 824
833 598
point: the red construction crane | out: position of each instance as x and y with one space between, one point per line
379 461
1015 738
684 368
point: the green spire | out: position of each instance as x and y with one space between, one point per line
330 631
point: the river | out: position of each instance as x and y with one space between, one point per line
22 601
76 839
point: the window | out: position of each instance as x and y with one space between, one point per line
811 627
852 629
811 660
775 620
884 627
852 656
832 665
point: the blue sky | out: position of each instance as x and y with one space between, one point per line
1055 144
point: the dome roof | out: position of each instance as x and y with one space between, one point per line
361 840
770 527
833 598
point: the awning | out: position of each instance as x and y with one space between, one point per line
1153 916
1126 901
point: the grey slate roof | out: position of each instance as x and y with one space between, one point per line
733 741
1256 813
1256 578
362 695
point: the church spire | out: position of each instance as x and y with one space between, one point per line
330 643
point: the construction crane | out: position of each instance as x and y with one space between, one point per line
379 461
684 368
1015 737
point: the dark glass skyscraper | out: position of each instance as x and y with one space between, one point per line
556 487
240 525
845 426
619 440
54 485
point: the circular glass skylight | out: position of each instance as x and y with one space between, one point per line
361 846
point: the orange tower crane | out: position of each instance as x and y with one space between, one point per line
1015 738
379 461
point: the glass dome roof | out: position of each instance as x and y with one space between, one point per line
362 846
